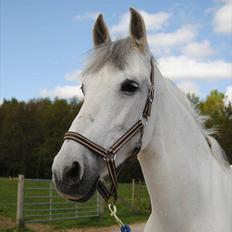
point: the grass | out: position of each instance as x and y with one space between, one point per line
129 214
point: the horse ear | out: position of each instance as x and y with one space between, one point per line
100 32
137 30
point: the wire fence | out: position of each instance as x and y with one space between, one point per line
42 203
135 197
36 200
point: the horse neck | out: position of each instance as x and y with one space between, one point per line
176 160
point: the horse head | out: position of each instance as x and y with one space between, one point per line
116 82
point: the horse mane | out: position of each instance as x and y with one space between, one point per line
216 149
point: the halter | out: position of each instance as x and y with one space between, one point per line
109 155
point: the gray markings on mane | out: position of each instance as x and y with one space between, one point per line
115 53
215 148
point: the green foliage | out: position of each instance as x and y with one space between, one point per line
214 107
132 171
213 103
31 134
194 99
220 118
226 132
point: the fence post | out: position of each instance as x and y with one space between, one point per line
50 200
76 210
20 202
101 205
133 194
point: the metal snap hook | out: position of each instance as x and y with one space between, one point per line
113 212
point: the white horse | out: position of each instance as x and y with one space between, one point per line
188 179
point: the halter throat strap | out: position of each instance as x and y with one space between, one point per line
109 155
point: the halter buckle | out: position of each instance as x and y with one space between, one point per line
111 155
143 120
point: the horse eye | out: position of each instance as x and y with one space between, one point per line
129 87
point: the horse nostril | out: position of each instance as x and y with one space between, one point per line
73 173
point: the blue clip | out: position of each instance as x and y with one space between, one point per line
125 228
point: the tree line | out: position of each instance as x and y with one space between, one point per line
31 133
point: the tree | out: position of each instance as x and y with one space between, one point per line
219 118
225 132
214 107
31 134
195 100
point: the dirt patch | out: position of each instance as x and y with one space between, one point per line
134 228
40 228
6 223
43 228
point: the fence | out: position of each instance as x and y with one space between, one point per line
135 197
37 201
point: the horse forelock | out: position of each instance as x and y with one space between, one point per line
115 53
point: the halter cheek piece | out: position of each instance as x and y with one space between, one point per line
109 155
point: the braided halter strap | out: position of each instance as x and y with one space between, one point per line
109 155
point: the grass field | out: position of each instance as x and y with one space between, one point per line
140 211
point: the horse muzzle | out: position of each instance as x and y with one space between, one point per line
74 186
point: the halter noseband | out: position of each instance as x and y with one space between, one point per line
109 155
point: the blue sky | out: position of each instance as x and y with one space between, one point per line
44 43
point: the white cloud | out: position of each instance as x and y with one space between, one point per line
167 43
86 16
189 87
179 37
1 101
198 49
159 42
156 21
153 22
228 95
182 67
222 21
73 76
65 92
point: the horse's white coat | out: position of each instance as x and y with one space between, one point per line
190 187
189 183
